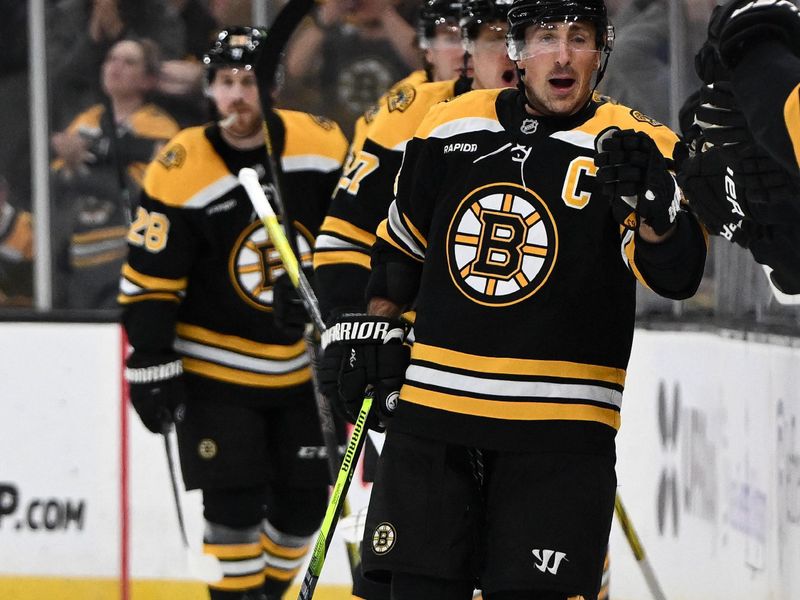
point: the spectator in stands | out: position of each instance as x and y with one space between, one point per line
101 160
347 55
16 250
80 32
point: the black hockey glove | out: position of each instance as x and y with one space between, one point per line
633 174
740 23
157 388
709 182
727 187
719 116
359 351
287 308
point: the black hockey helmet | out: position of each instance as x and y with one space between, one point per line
476 12
434 13
236 46
524 13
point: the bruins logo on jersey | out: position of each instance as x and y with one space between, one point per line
644 118
174 156
502 244
255 265
400 98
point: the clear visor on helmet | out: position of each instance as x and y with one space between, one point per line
446 35
571 33
491 38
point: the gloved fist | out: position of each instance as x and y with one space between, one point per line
359 351
708 180
633 174
742 22
729 186
156 388
287 308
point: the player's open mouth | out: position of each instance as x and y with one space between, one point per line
508 76
562 84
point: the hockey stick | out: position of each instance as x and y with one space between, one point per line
337 501
202 566
249 180
638 550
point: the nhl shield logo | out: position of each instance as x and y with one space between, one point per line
529 126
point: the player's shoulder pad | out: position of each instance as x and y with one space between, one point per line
312 143
403 110
188 172
152 121
611 114
470 112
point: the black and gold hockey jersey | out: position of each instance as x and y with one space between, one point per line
526 295
91 206
201 266
767 86
366 189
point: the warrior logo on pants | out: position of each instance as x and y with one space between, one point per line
502 244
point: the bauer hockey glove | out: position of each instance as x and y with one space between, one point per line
287 308
157 389
633 174
734 188
740 23
360 351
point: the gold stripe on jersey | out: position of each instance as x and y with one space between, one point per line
282 551
399 227
97 258
345 229
338 257
516 366
210 370
392 128
509 410
238 344
791 115
188 172
628 245
467 113
154 283
311 142
383 233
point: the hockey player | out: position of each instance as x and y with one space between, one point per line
197 293
520 246
362 198
759 42
742 180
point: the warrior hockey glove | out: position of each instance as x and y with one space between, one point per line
633 174
287 308
741 23
359 351
157 389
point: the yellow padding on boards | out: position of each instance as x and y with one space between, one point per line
36 588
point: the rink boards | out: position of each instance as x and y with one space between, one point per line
709 470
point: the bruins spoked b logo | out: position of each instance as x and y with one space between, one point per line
255 264
383 538
501 245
